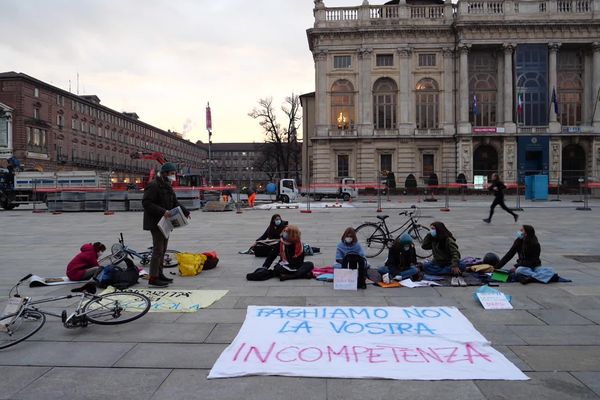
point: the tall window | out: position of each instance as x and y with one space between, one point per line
385 103
426 60
532 86
427 104
384 60
343 165
342 62
482 89
570 88
342 104
37 140
385 162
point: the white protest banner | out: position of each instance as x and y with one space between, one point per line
433 343
494 301
165 300
345 279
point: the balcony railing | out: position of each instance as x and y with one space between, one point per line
335 132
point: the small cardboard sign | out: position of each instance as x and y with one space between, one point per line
494 301
345 279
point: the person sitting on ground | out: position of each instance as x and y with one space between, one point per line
446 256
267 245
348 245
85 265
528 267
402 260
291 264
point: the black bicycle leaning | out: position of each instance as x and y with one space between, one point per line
375 237
25 318
119 251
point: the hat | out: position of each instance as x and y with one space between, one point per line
405 239
168 167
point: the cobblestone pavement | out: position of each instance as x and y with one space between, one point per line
553 334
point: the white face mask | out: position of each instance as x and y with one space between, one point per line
284 235
172 178
277 222
348 240
407 248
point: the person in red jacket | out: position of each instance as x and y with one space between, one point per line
85 264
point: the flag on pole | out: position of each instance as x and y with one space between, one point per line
520 103
475 108
208 120
554 101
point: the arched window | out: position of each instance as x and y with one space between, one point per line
570 88
385 103
427 104
342 104
483 70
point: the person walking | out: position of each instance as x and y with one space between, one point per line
159 199
498 188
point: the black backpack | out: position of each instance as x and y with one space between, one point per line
260 274
354 261
119 277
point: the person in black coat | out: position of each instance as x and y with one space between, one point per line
291 264
498 188
268 243
159 199
528 266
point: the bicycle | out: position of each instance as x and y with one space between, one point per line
375 237
119 251
25 319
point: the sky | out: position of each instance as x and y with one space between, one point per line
165 59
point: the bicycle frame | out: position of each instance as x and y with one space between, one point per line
411 222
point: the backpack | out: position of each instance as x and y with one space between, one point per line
354 261
260 274
117 276
211 260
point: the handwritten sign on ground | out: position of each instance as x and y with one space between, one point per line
174 300
494 301
345 279
362 342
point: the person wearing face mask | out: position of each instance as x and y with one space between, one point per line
402 260
528 267
446 255
267 245
348 245
291 264
85 265
159 199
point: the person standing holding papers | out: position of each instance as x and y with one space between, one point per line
159 199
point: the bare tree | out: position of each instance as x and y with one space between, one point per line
281 143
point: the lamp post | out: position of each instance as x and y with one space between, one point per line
209 129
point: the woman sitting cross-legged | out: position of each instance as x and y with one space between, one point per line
402 260
267 245
528 267
348 245
446 256
291 264
85 265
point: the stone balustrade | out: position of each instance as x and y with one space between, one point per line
464 10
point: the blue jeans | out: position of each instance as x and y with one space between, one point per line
540 274
407 273
432 268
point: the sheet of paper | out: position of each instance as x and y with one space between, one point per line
494 301
345 279
410 284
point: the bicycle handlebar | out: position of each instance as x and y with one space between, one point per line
26 277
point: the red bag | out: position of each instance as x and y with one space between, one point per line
211 260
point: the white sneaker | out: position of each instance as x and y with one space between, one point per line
454 281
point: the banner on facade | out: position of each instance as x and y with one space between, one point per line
415 343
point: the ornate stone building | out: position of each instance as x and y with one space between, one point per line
428 87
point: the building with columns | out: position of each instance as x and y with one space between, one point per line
423 87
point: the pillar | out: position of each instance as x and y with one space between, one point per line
405 95
463 94
554 126
509 125
321 109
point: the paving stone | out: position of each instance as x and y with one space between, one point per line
559 335
591 314
506 317
590 379
210 315
346 301
560 317
172 355
185 384
513 357
64 354
560 358
543 385
421 301
223 333
498 334
347 389
244 302
94 383
568 301
141 332
16 378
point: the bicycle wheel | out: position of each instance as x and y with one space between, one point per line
116 308
23 327
170 259
418 233
372 238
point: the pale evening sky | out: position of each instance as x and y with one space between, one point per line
165 59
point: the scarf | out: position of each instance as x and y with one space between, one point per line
297 250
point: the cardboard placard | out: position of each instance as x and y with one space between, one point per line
345 279
494 301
